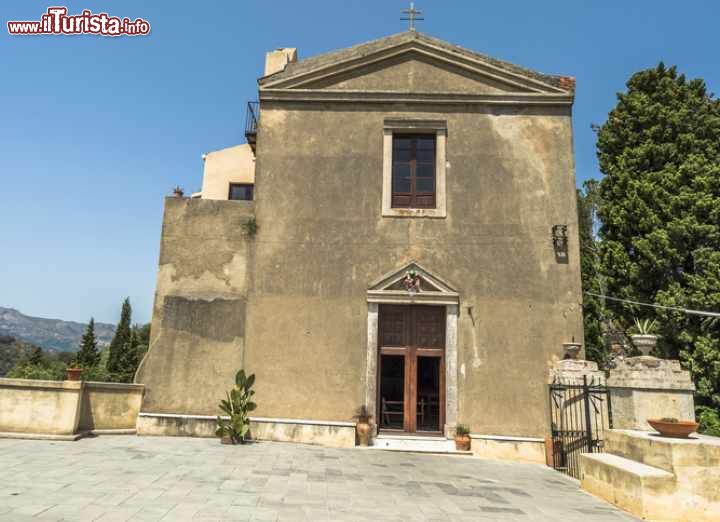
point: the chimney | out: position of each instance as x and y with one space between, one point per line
275 61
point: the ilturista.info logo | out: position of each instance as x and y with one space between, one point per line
57 21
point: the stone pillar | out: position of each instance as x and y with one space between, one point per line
646 387
451 369
371 370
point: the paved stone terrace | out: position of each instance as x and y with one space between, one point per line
163 478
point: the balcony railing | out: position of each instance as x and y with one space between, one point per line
251 122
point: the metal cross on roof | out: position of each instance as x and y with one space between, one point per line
412 15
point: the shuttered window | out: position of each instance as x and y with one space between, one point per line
413 171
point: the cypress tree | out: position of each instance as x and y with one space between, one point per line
659 152
128 359
120 340
88 355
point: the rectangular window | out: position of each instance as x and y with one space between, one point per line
241 191
413 171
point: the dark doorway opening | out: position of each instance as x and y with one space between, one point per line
428 394
392 386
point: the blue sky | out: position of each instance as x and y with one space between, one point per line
94 131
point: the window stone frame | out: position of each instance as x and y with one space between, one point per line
437 127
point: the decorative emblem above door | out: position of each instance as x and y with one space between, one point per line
412 284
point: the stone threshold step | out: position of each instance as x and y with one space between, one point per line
426 451
417 444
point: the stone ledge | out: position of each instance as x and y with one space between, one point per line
324 433
35 383
114 386
119 431
40 436
508 438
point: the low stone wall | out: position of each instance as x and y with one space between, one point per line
109 406
657 478
34 407
325 433
66 410
499 447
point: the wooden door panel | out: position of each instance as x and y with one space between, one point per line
414 331
428 326
394 326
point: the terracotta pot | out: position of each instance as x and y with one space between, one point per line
363 433
227 439
462 442
645 343
678 430
73 374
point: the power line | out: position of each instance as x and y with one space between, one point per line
684 310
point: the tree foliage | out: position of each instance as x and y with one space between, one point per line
35 363
88 355
659 204
593 312
121 341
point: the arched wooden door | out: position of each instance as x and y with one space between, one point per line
411 369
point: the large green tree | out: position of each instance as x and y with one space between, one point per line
121 340
659 206
593 310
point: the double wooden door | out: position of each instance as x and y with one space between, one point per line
411 373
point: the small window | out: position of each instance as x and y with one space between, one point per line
413 171
241 191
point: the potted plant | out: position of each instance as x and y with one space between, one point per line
237 407
73 372
462 437
643 335
362 427
671 427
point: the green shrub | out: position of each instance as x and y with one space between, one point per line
47 372
709 419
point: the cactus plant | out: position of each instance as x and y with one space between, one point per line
237 407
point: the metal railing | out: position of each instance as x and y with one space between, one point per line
251 117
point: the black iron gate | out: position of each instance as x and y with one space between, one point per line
579 414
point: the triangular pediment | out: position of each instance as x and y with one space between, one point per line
414 71
391 287
411 62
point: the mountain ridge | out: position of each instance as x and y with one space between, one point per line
50 333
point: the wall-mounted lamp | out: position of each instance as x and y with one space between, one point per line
560 237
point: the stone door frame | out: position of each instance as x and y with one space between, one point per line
380 292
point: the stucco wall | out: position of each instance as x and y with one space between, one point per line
198 327
322 240
110 406
40 407
67 407
408 73
222 167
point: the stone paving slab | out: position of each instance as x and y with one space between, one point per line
110 478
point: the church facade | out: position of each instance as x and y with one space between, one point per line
400 232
